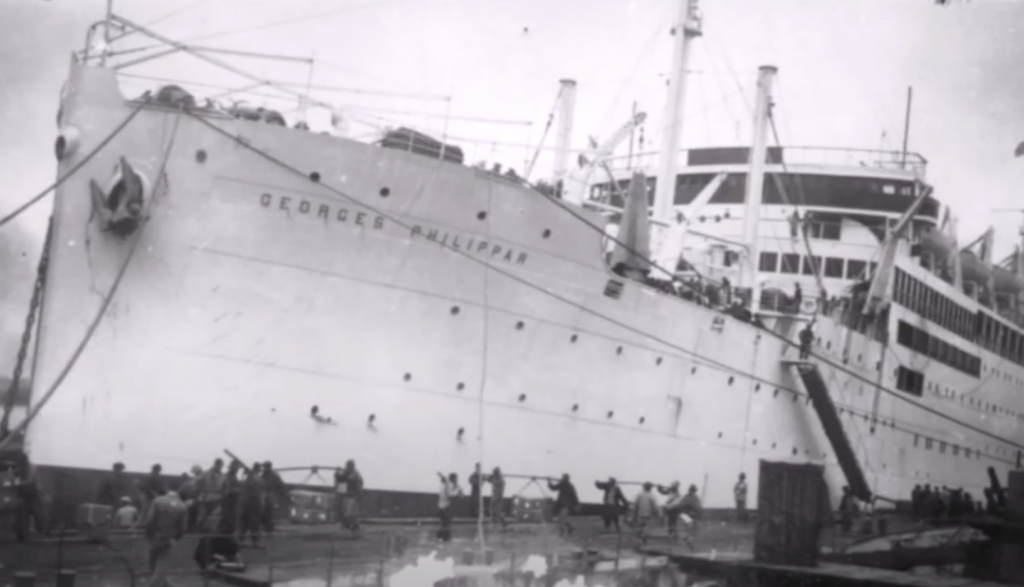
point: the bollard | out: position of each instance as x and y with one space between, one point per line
24 579
65 578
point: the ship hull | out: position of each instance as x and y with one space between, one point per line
437 315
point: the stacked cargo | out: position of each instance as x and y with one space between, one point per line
312 507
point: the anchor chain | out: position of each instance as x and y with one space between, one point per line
26 336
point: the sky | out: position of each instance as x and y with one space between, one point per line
844 68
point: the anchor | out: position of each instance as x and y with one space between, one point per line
120 211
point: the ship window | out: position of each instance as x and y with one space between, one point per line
909 381
967 452
956 450
942 447
833 267
904 334
831 230
769 262
854 268
790 263
928 443
888 188
810 268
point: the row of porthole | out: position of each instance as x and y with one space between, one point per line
371 421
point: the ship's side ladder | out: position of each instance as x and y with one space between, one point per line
817 389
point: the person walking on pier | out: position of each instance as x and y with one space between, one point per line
672 505
349 483
613 503
565 503
164 525
497 482
645 509
739 492
449 491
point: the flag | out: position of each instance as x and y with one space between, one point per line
1019 151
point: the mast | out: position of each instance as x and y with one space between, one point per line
563 139
686 28
906 127
755 184
106 33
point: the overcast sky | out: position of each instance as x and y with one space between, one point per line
844 66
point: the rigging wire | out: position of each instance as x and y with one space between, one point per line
85 159
599 315
101 313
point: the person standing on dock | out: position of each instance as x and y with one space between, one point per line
645 509
211 486
252 504
115 487
739 492
229 502
613 504
672 505
497 482
475 480
164 525
349 485
449 491
692 510
806 340
565 503
276 494
150 487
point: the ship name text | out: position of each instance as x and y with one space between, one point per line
470 245
300 206
292 205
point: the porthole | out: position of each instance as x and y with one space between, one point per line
385 192
314 176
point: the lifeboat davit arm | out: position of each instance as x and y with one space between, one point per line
878 293
580 179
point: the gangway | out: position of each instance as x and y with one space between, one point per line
817 389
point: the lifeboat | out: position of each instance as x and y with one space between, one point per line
937 243
974 269
1007 282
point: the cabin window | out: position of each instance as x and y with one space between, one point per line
790 263
927 443
833 267
811 264
905 334
909 381
769 262
967 452
855 268
888 188
942 447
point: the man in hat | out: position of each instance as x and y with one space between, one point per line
276 494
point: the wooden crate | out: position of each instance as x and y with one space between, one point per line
792 509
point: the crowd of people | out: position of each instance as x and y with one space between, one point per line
644 512
947 503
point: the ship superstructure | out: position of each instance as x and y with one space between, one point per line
219 281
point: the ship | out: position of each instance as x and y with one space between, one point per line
220 280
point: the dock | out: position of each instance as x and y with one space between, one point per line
741 569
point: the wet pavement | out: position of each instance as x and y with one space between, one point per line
304 556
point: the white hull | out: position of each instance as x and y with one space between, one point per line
236 316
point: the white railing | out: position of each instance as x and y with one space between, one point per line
912 163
